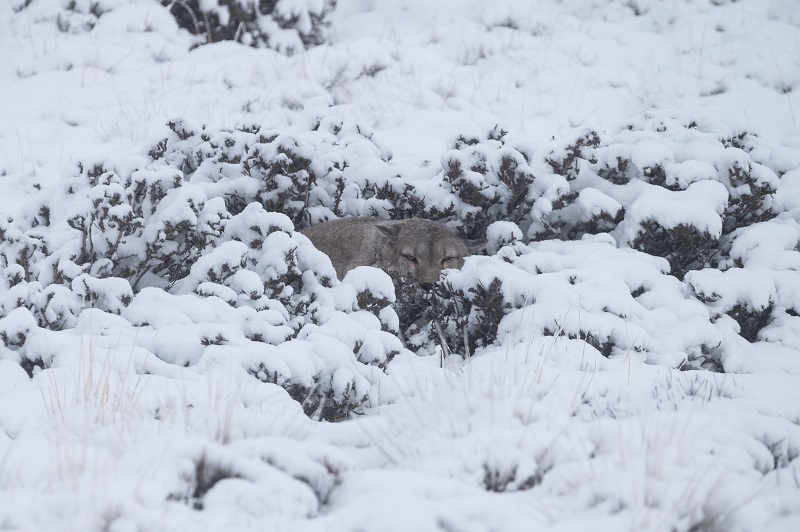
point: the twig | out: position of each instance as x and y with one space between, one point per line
442 341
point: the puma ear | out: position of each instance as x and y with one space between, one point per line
389 229
474 246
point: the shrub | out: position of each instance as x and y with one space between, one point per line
283 25
212 213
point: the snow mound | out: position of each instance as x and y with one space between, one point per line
620 301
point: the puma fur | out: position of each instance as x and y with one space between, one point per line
414 247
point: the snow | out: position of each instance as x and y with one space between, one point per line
501 233
700 205
175 354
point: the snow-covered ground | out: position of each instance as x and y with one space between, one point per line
175 360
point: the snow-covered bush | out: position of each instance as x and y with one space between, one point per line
288 26
693 192
193 238
144 227
620 301
211 214
79 16
666 184
312 175
491 181
758 287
